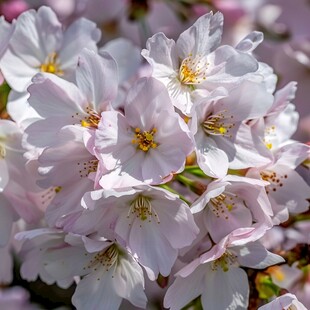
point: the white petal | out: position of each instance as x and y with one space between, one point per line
95 290
226 290
129 282
202 37
250 42
184 290
254 255
96 77
80 34
126 55
7 216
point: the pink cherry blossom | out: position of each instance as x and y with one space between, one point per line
146 144
196 61
40 45
287 191
233 202
109 273
141 217
216 275
73 111
286 302
6 31
222 138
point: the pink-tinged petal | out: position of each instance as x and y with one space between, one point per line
67 202
176 223
11 68
129 282
243 236
291 191
148 243
282 98
64 98
227 66
98 221
34 250
4 175
30 234
254 255
6 31
214 189
119 141
253 193
169 156
212 160
19 109
245 149
292 154
7 217
250 42
21 202
42 30
66 161
94 245
127 175
66 262
36 35
288 116
161 54
96 78
286 301
226 290
6 266
113 140
248 100
35 132
95 290
228 220
203 37
145 101
127 57
184 290
82 33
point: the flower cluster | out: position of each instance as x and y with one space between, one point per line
120 172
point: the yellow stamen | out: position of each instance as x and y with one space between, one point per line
145 139
51 65
192 70
57 189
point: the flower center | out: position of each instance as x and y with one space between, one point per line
2 151
221 204
192 70
218 124
106 258
145 139
274 179
88 167
51 65
270 135
141 207
92 120
225 261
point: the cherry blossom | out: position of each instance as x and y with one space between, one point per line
141 217
39 45
216 275
196 61
144 145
